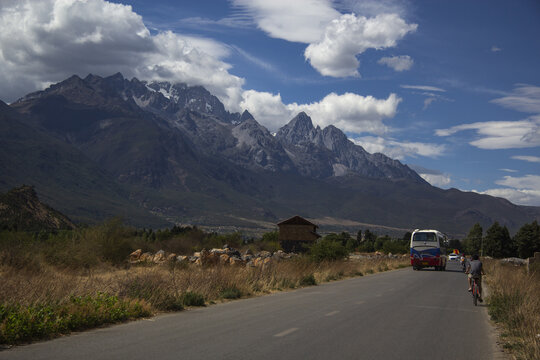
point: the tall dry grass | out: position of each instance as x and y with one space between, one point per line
514 303
56 285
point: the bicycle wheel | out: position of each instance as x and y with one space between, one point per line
475 293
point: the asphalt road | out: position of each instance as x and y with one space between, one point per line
401 314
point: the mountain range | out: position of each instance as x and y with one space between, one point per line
157 153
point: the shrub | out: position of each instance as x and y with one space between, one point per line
308 280
193 299
231 293
326 250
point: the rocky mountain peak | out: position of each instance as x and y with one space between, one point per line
246 115
299 130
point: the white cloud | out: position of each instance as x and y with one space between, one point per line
398 63
349 36
509 170
399 150
442 180
46 41
423 88
527 158
292 20
349 112
519 197
428 101
524 98
529 182
495 48
520 190
501 134
268 109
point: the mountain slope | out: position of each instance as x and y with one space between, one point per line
174 151
62 175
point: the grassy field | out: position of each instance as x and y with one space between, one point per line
52 285
514 304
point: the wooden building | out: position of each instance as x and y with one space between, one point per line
296 232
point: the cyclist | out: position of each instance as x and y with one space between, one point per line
463 262
475 270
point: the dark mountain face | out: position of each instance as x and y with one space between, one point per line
175 152
62 175
20 209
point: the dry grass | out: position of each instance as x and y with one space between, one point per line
514 303
54 285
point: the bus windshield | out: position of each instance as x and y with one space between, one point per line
425 237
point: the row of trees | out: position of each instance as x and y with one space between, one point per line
370 242
498 243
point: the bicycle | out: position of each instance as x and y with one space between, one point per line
475 291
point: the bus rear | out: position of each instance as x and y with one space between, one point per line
428 249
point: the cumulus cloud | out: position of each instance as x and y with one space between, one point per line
334 39
520 190
301 21
399 150
349 112
46 41
524 98
527 158
501 134
398 63
351 35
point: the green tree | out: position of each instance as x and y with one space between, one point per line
527 240
474 239
455 244
369 236
497 242
327 250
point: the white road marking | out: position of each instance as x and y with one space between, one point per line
332 313
286 332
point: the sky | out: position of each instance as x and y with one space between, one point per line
450 88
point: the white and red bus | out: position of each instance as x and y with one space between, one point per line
428 249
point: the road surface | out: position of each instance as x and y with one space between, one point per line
402 314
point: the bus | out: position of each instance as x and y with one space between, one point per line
428 249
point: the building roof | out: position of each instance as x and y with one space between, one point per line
296 220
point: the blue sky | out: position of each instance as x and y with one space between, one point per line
451 88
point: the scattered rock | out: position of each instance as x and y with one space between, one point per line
225 256
135 256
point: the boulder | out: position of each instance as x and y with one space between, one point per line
135 256
265 254
218 251
248 252
146 257
159 256
224 258
182 258
235 260
171 257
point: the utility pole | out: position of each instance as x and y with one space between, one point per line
482 247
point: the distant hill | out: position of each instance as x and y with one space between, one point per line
161 153
20 209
